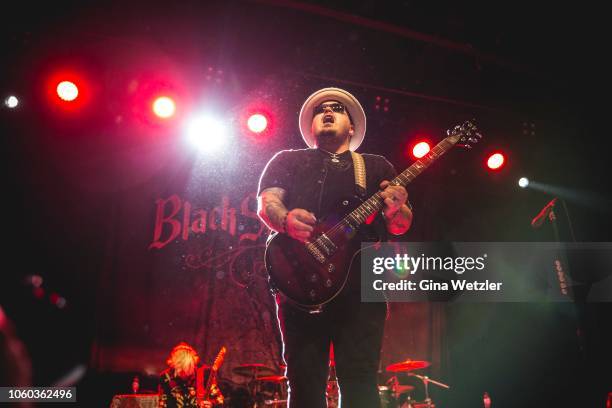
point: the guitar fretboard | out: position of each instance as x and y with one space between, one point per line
375 203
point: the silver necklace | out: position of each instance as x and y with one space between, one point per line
334 156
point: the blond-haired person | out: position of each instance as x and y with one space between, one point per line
182 384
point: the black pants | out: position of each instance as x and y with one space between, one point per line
356 330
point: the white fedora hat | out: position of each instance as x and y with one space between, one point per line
333 94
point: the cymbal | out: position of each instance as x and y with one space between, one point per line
408 365
272 378
253 370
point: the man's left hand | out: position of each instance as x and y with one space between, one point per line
394 197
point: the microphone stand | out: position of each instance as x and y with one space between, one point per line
559 263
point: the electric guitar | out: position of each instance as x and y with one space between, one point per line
213 375
313 273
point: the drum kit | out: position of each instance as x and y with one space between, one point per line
268 389
396 395
265 387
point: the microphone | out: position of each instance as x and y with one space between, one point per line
539 219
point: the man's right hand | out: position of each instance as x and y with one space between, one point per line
299 224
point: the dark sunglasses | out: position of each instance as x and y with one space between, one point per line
336 107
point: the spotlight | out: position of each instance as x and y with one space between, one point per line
523 182
496 161
11 102
164 107
420 149
67 91
257 123
206 133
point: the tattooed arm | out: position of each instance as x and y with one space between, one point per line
296 223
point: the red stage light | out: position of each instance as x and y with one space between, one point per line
164 107
257 123
38 293
496 161
67 91
420 149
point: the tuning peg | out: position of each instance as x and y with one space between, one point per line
473 140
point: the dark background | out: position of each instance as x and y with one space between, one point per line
532 75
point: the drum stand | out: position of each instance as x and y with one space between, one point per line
426 380
410 365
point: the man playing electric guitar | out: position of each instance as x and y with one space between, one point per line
297 189
182 384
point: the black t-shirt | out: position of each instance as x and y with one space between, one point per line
315 183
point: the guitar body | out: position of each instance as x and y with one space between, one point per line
303 278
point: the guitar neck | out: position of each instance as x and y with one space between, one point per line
376 202
213 372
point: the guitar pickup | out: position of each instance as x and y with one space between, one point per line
328 246
316 252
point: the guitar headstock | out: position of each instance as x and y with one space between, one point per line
219 359
464 135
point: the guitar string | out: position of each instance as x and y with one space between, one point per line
420 165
